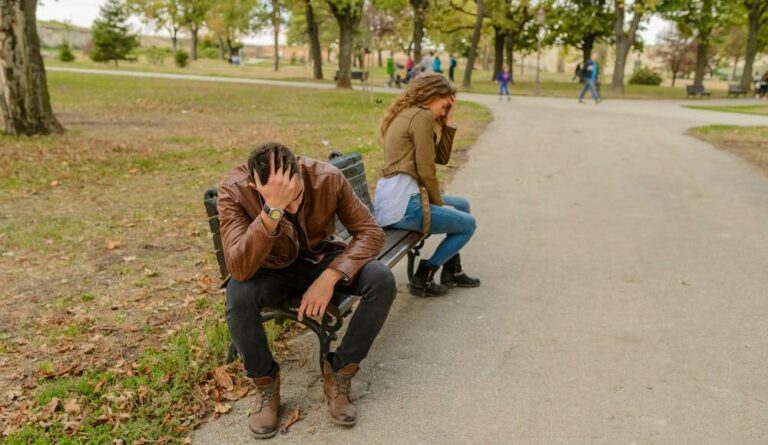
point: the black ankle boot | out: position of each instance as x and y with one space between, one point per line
423 284
453 276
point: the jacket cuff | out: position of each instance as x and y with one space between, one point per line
258 225
347 274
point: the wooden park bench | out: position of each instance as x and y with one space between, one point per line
362 76
398 244
734 89
693 90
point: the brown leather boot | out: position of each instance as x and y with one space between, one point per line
336 385
262 420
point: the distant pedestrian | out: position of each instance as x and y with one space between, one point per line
452 62
391 69
437 65
425 66
409 63
503 79
589 73
763 90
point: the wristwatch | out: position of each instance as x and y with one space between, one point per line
274 214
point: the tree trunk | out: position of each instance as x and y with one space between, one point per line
222 51
193 42
674 77
749 60
276 31
314 42
509 48
24 101
419 16
348 16
380 61
624 41
701 64
467 82
174 41
522 65
329 54
498 51
735 65
586 49
345 55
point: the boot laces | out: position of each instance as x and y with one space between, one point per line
341 385
264 396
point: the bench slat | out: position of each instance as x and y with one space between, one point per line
353 170
399 250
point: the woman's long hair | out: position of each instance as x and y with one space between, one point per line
420 91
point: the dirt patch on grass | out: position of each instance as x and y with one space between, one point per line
750 143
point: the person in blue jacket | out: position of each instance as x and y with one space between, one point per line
589 74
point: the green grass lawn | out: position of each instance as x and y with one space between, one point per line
553 85
111 320
742 109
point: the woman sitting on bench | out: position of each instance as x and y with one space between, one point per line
417 133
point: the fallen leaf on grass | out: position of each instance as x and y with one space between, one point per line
236 394
71 406
112 244
51 407
295 417
149 272
128 259
223 378
222 408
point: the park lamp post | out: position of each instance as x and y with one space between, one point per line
539 23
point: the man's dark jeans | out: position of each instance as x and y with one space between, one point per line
375 284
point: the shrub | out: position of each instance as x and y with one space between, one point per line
181 58
208 53
645 76
155 55
65 52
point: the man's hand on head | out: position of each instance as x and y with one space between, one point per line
318 295
280 188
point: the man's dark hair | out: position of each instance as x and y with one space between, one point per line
259 160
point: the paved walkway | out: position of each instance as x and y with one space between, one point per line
624 295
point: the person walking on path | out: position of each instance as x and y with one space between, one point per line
503 79
391 69
417 132
426 64
590 72
276 215
437 65
452 63
409 63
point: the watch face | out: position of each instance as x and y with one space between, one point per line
275 214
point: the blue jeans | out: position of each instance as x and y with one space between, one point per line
455 221
503 87
589 84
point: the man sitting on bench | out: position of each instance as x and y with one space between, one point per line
277 216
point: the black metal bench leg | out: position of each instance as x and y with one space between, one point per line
412 254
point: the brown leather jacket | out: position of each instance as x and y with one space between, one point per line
327 193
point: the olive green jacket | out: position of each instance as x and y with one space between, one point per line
413 146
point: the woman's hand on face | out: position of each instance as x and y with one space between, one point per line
449 110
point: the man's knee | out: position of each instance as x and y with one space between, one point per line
242 297
380 279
